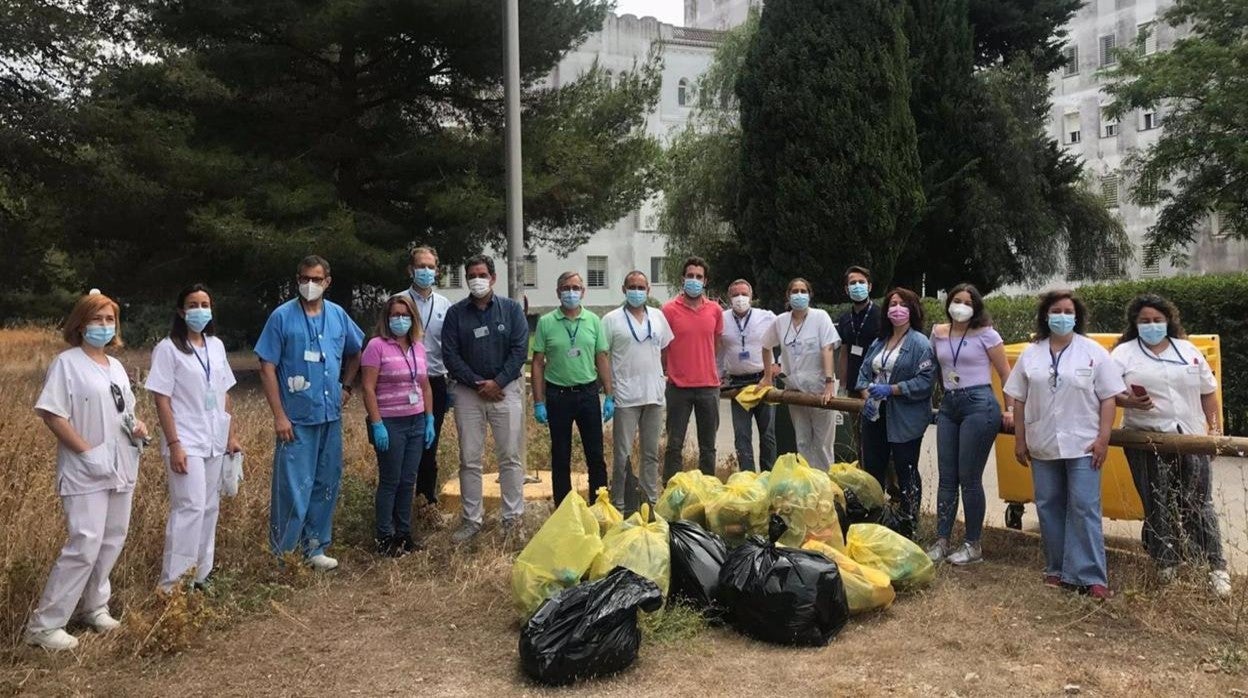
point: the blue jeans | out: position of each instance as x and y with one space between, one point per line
1068 503
397 468
875 454
966 427
306 475
743 421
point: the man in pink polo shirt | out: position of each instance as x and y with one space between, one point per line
692 374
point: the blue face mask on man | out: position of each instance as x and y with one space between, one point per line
424 277
858 291
1153 333
99 336
198 318
694 287
636 297
570 299
1061 324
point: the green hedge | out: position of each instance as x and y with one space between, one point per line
1213 304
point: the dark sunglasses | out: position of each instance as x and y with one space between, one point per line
118 399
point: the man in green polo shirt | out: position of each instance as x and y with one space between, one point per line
569 359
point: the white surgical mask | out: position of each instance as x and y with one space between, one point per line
479 287
740 303
960 312
311 291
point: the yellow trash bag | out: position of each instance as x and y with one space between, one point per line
863 484
739 509
867 589
806 499
881 548
749 396
685 497
606 513
557 557
640 545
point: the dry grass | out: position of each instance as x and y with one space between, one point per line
441 622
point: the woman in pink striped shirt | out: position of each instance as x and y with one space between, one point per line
398 400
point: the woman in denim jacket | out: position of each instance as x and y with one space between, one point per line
897 374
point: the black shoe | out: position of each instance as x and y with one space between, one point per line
406 544
384 544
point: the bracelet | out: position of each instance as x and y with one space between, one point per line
175 441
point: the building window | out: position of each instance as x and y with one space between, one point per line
1217 228
656 270
1109 125
1071 131
596 272
530 271
452 276
1071 54
1149 270
684 95
1148 31
1108 42
1109 190
1150 119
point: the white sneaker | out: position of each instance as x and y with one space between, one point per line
939 551
99 620
322 563
1220 581
1166 575
968 554
56 639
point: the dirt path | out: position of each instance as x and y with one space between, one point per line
440 623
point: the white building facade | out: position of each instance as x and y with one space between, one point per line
633 242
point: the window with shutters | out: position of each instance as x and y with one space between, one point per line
1108 42
1109 190
595 272
684 95
1149 270
1109 125
452 276
656 270
1071 131
1150 119
530 271
1071 54
1148 32
1217 228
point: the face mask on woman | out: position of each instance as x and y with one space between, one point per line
400 325
960 312
1061 324
198 318
898 315
99 336
1153 333
799 301
858 291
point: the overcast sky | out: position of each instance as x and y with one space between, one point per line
670 11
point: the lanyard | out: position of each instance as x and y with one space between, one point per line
857 327
741 326
204 363
411 365
958 351
416 299
1159 359
311 326
1056 362
649 329
887 353
573 332
796 335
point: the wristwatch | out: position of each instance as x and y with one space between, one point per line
828 380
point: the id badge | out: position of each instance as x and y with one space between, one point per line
480 332
855 350
311 355
413 398
210 401
743 356
1194 369
954 377
574 352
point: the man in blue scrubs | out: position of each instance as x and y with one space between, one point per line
302 350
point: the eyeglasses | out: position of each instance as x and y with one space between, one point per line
311 279
119 400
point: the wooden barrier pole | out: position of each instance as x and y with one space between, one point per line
1183 444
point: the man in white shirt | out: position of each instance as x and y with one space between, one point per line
432 307
638 336
741 358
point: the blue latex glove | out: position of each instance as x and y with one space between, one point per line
608 408
381 437
880 391
430 433
539 412
870 411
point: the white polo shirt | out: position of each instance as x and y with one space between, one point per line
741 344
636 356
196 384
801 347
79 390
1175 380
1063 421
432 312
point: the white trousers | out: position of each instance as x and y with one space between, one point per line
815 429
191 534
97 524
506 419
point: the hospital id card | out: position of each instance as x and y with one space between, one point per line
311 355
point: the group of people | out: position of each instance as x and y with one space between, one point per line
658 368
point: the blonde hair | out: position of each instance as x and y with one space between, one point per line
83 311
383 323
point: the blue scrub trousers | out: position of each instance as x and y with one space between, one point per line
306 475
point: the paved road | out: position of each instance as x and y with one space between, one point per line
1230 494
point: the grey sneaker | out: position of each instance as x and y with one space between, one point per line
968 554
939 551
466 532
1167 574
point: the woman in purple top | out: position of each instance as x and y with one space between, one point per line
398 399
967 349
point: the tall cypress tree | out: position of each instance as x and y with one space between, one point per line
829 161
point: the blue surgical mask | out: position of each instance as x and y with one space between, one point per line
99 336
858 291
799 301
1153 333
400 325
693 287
1061 324
198 318
635 297
424 277
570 299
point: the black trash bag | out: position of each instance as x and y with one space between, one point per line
893 517
856 512
588 630
697 556
782 595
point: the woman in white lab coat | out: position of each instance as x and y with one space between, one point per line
88 404
189 379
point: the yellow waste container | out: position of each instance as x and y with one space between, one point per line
1119 500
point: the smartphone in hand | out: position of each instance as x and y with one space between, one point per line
1139 391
